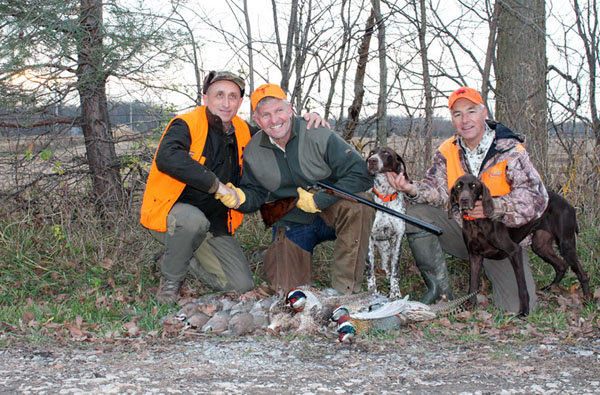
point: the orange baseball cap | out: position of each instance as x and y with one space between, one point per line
464 92
266 90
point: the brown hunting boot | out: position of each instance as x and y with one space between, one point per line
168 291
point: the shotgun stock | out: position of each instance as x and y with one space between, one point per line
272 212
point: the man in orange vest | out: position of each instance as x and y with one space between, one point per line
495 154
283 161
198 153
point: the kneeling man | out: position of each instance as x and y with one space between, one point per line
283 160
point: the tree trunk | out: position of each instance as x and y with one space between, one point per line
589 36
340 61
286 59
301 50
382 121
91 84
428 127
359 80
250 51
489 56
521 79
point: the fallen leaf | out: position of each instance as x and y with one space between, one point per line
132 328
27 317
75 332
107 263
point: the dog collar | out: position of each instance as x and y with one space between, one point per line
385 198
468 217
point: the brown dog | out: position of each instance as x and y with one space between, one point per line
494 240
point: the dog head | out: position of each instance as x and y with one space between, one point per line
465 192
385 159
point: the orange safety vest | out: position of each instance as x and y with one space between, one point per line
162 190
494 177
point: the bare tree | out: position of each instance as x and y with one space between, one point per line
91 78
423 46
588 28
490 53
359 89
382 121
250 52
344 50
521 78
285 59
69 52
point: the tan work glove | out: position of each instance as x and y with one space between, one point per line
306 201
234 199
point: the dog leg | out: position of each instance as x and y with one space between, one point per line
371 280
475 264
542 246
394 263
516 260
570 255
568 249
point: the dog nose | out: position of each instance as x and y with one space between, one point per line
465 203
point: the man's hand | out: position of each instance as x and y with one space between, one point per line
306 201
399 183
314 120
477 211
230 196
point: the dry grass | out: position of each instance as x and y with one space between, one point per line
67 231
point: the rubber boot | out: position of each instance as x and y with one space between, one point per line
431 261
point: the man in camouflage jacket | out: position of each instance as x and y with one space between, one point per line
479 147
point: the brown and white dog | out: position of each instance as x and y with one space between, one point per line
387 230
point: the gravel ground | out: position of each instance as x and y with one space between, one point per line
311 365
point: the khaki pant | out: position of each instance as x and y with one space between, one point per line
218 262
505 292
287 265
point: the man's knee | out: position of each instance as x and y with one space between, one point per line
188 219
242 283
423 212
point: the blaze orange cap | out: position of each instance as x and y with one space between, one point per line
464 92
266 90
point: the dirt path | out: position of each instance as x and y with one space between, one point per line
258 365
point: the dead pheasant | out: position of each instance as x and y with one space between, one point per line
356 314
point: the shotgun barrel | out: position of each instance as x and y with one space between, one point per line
415 221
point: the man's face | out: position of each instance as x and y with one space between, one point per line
468 119
224 99
274 117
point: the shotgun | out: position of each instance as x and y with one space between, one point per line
412 220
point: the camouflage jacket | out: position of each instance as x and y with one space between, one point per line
528 197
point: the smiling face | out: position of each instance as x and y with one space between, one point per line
274 116
224 99
468 119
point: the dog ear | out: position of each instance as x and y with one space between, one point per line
486 201
452 201
401 167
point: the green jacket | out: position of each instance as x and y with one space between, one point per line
310 156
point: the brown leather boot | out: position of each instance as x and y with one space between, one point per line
168 291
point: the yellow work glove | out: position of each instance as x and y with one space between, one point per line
306 201
229 200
